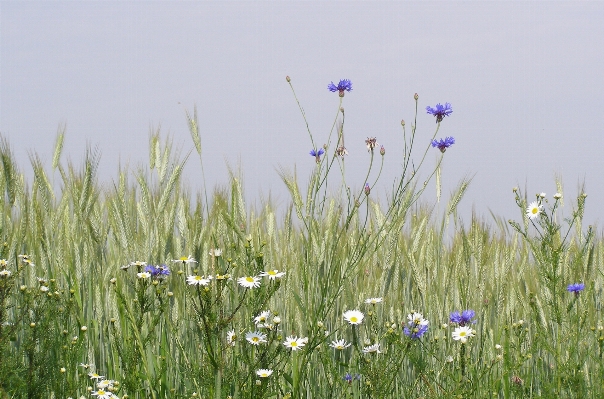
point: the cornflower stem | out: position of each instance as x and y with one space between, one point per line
303 115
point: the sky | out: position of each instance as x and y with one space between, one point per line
524 80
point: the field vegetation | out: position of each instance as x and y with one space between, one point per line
140 289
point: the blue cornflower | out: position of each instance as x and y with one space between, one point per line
344 85
462 318
443 144
415 330
157 272
440 111
349 377
576 288
317 154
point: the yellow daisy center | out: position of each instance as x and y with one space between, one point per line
354 319
249 279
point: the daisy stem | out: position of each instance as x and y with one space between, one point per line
462 359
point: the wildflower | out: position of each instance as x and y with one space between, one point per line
341 151
417 319
449 359
462 318
542 195
276 320
85 365
139 264
349 377
375 348
272 274
295 343
143 275
462 334
3 263
264 373
443 144
102 394
440 111
231 338
382 151
105 384
262 317
255 338
533 210
198 280
25 259
576 288
498 347
373 301
371 143
185 259
557 196
158 272
63 369
415 330
343 85
95 376
5 273
216 252
317 154
339 344
44 288
353 317
84 328
249 282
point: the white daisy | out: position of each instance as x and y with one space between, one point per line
533 210
375 348
185 259
373 301
143 275
5 273
95 376
255 338
272 274
264 373
198 280
340 344
353 316
249 282
102 394
463 333
137 263
417 319
231 338
215 252
262 317
295 343
105 384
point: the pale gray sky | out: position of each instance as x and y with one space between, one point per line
524 78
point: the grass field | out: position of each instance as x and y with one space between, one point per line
139 289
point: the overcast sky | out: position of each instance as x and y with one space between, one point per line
525 80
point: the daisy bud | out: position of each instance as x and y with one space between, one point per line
382 151
415 96
288 79
402 122
367 189
84 328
